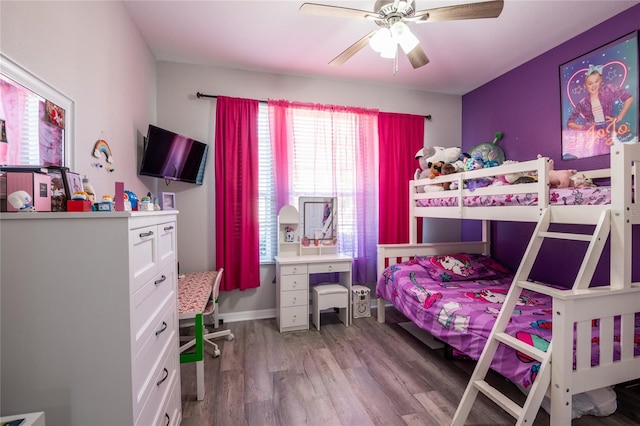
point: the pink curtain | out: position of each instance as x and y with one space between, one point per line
280 129
13 104
236 163
400 137
329 151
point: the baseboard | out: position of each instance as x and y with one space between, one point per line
265 314
421 335
247 315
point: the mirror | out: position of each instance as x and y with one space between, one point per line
36 120
318 216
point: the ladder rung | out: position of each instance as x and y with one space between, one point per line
499 398
566 236
521 346
541 288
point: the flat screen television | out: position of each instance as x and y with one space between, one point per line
171 156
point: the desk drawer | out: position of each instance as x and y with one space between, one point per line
325 267
295 298
294 282
300 268
294 316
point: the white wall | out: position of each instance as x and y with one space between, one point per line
91 52
179 110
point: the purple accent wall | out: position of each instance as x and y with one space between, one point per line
524 104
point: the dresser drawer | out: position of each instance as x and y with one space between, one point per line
148 397
319 268
300 268
160 409
294 282
170 414
148 302
294 298
144 255
294 316
167 244
158 334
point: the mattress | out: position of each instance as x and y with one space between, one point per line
597 195
457 298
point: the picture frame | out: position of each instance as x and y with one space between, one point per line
59 194
607 76
73 183
54 114
3 131
167 200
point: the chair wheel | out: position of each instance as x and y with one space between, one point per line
216 353
230 337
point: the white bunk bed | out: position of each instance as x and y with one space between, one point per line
568 369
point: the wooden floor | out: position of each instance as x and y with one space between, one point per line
366 374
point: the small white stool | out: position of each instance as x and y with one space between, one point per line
327 296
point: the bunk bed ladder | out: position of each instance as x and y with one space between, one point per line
526 414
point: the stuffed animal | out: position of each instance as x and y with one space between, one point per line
447 169
518 177
432 154
581 181
435 169
560 178
473 163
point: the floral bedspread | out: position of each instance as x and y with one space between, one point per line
457 299
596 195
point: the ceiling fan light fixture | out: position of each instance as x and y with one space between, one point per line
404 37
380 39
389 50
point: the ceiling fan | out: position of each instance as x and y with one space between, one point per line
391 16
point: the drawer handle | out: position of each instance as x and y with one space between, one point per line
330 267
168 228
160 281
164 327
146 234
294 318
294 300
165 372
295 270
295 284
168 419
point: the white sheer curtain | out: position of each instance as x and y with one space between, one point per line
330 151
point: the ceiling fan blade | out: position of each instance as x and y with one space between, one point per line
487 9
352 50
417 57
336 11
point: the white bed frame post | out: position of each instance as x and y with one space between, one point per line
624 211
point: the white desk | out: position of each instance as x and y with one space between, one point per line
292 286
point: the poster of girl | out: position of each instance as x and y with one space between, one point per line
599 99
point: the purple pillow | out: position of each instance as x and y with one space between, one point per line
462 267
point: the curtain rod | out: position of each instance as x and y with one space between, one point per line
202 95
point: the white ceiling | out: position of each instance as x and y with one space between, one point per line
272 36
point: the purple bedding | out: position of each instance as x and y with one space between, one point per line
457 298
597 195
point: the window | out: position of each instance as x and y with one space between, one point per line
323 165
267 213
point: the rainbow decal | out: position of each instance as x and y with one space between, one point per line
102 147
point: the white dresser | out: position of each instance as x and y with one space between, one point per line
89 326
292 285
